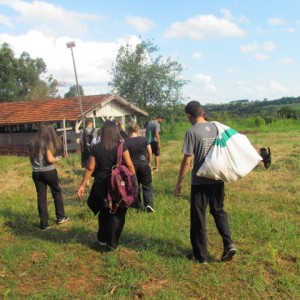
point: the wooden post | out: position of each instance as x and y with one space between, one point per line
64 129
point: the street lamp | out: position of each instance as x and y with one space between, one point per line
71 45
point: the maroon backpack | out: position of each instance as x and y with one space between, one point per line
122 185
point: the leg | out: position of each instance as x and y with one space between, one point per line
41 189
156 162
220 216
199 203
116 223
103 226
155 152
145 178
54 184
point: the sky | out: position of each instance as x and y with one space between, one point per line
230 50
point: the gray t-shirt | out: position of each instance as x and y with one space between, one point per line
152 128
198 140
40 163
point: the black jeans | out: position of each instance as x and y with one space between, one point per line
201 197
144 178
41 181
111 226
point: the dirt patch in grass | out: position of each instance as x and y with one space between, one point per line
150 287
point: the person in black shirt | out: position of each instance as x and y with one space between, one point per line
141 153
104 154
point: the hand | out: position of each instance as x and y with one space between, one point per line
177 191
80 192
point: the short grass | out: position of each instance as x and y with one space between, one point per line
67 263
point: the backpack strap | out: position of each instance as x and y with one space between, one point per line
119 154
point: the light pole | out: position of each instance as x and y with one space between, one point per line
71 45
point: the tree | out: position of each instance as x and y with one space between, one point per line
287 113
73 91
152 84
21 78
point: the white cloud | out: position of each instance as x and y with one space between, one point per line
206 81
275 21
291 29
5 21
93 59
277 87
197 56
204 26
229 16
260 30
264 89
260 56
139 23
230 71
254 47
49 18
226 13
268 46
285 61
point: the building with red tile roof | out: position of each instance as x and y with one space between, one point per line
23 117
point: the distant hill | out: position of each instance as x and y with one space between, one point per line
265 108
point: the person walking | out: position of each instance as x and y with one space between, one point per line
204 191
43 149
86 137
153 137
104 154
141 153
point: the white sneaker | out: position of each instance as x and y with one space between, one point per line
149 209
103 244
63 220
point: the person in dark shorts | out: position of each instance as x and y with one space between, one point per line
153 137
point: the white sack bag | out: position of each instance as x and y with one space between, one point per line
231 156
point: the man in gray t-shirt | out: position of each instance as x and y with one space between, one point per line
204 191
153 137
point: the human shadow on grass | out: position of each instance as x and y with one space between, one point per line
21 224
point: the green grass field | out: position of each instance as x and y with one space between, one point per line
66 262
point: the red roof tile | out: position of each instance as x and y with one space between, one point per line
54 109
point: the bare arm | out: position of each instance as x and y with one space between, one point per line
149 152
50 158
86 176
158 139
185 165
127 159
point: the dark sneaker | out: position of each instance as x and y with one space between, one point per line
228 253
45 228
103 244
192 258
63 220
149 209
111 249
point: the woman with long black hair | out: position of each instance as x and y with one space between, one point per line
104 154
43 149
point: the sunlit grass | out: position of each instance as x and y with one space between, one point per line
67 263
